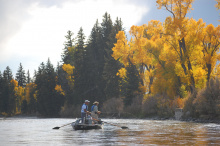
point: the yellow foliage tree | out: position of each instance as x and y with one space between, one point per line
59 89
182 36
28 89
178 55
211 43
69 70
19 94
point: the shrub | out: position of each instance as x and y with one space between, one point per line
149 107
178 103
189 108
113 105
207 102
158 105
164 105
135 109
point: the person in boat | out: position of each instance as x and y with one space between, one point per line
84 110
95 112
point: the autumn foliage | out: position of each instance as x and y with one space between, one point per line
163 66
173 58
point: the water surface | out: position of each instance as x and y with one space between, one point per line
37 131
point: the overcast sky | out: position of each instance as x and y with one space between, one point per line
31 31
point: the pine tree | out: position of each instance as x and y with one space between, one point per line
28 77
1 92
49 102
94 63
8 93
66 56
130 85
20 76
79 73
7 74
111 65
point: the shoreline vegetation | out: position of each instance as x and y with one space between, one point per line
215 121
164 66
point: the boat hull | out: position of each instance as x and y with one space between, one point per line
86 126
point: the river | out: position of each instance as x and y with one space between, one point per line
38 131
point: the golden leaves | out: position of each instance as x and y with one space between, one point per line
69 70
177 50
59 89
14 83
122 73
121 49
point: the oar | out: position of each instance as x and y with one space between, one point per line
122 127
62 126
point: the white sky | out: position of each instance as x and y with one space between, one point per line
34 30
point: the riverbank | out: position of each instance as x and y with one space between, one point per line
194 120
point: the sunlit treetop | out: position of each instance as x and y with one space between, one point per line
178 8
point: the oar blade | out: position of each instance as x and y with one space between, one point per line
56 128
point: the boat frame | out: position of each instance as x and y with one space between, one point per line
88 125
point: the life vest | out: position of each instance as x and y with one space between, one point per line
92 108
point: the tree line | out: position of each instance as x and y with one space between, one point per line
164 66
87 71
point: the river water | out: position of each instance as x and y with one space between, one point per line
38 131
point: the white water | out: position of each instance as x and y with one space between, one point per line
36 131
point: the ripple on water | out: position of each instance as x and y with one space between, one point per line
36 131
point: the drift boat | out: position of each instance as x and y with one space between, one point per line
88 125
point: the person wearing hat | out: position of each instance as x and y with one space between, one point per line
84 110
94 111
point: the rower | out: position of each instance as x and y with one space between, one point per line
84 110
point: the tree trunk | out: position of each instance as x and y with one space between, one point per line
209 67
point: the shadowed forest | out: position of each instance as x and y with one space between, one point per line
164 66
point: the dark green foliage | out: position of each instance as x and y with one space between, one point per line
20 76
79 73
24 107
28 77
7 74
49 102
66 55
3 94
111 66
32 106
94 63
130 85
7 93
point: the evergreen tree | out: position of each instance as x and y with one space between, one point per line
8 93
111 65
66 56
28 77
131 83
94 63
79 73
20 76
7 74
49 102
2 84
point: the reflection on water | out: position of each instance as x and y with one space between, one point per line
35 131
